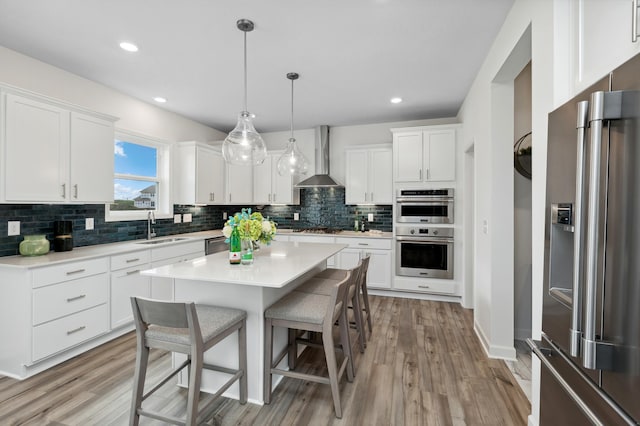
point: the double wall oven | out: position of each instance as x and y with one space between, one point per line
424 251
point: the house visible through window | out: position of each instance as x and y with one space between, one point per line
140 174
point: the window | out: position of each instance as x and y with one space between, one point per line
140 181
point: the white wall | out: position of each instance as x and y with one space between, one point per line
134 115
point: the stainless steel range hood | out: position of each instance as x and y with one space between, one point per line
321 179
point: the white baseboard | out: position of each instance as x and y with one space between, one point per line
531 421
494 351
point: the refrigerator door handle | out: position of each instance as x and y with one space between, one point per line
575 332
589 343
542 354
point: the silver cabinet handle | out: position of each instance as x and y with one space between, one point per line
593 217
75 191
71 299
363 244
371 199
133 272
75 330
77 271
64 190
420 174
634 21
269 197
427 175
132 260
423 286
579 217
229 197
213 196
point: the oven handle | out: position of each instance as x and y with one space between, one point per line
416 200
425 240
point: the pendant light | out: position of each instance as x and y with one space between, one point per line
244 146
292 161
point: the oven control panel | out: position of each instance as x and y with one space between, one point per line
421 231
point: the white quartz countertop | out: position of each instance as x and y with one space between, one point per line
348 234
274 266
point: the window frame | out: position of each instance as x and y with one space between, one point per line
164 206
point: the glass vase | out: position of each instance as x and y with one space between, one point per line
246 257
34 245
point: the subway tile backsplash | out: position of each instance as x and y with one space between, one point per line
318 207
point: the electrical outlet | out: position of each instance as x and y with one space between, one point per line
88 223
296 216
485 226
370 217
224 216
13 227
177 218
186 218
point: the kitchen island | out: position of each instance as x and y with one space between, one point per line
277 269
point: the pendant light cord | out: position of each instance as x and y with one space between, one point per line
245 71
291 108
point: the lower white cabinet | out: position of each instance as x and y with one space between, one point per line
128 282
162 288
331 262
379 250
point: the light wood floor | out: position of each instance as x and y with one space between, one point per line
423 366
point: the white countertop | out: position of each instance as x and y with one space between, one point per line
273 266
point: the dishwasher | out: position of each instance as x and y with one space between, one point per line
215 245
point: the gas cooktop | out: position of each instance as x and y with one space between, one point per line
319 230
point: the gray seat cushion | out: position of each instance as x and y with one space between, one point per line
300 306
318 286
213 321
332 273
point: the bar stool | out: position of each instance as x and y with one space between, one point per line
189 329
317 285
300 311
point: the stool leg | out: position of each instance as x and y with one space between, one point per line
268 359
330 355
345 341
357 316
142 359
242 348
365 296
193 395
293 348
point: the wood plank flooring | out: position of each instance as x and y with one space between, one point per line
423 366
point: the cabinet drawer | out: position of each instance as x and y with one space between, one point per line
431 286
68 271
130 259
177 250
69 331
366 243
66 298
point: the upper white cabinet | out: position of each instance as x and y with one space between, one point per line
271 188
424 154
54 154
369 175
199 174
239 185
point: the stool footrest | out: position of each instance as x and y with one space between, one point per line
165 379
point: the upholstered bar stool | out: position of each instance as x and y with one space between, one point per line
189 329
317 285
300 311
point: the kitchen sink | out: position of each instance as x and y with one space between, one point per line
163 240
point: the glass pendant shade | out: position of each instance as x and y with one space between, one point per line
244 146
292 161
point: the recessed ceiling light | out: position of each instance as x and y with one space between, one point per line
129 47
160 99
396 100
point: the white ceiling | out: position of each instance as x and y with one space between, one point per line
352 55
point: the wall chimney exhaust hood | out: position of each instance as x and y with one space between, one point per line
321 178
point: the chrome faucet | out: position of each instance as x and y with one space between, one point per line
151 220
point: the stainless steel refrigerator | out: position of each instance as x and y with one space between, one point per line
590 350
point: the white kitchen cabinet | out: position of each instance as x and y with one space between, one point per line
55 154
126 282
199 173
162 288
369 178
271 188
239 184
424 154
379 250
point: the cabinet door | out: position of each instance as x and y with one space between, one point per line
408 157
440 155
206 175
262 182
91 159
239 184
37 147
124 284
380 176
356 188
348 258
379 273
217 184
281 186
